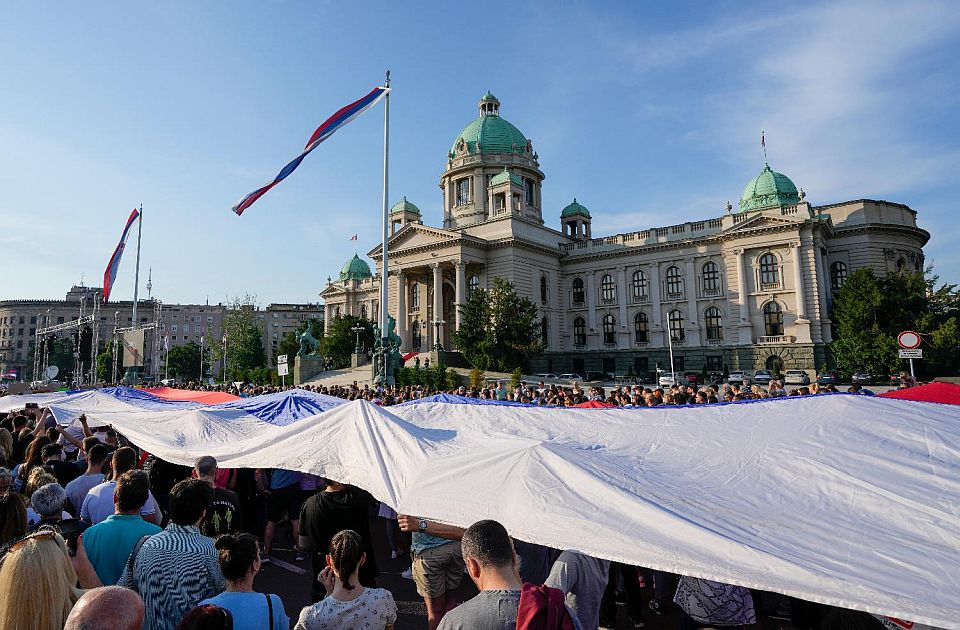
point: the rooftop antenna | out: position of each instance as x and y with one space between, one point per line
81 280
150 284
763 145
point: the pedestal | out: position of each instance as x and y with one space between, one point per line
356 360
305 368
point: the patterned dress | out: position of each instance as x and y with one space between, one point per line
374 609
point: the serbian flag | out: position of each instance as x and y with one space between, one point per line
324 131
110 273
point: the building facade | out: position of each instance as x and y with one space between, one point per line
749 289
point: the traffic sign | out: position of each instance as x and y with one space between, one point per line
281 359
908 340
911 353
283 369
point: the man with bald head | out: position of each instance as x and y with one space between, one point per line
107 608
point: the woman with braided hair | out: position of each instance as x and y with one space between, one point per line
348 605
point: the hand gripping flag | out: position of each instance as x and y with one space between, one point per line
110 273
324 131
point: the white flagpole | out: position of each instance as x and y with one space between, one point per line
136 279
384 279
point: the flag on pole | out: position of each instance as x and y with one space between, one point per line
353 238
166 343
763 142
324 131
110 274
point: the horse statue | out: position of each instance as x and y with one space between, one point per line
308 344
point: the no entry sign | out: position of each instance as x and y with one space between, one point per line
908 340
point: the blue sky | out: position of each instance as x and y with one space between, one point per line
648 113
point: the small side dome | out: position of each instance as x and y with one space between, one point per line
505 176
574 209
404 206
768 189
355 269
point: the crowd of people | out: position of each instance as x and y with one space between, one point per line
97 533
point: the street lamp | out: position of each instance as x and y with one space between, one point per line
358 329
437 323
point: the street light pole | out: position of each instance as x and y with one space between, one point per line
437 323
357 329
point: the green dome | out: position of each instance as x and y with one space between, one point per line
494 134
355 269
768 189
404 206
574 209
504 176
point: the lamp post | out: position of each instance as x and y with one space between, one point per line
358 348
437 323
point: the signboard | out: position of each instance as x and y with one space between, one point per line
911 353
908 340
281 359
283 369
132 348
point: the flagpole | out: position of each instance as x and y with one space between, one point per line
384 279
136 279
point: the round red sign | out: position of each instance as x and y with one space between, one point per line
908 340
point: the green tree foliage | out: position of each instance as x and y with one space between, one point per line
340 340
477 379
289 344
499 330
61 355
244 333
183 362
105 364
869 312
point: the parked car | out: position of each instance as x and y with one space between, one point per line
669 379
796 377
895 379
762 376
827 378
570 377
691 378
862 378
738 376
547 375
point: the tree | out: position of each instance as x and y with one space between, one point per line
105 364
499 329
340 340
183 362
869 312
244 334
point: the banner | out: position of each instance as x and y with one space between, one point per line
133 348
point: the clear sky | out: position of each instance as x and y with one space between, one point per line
649 113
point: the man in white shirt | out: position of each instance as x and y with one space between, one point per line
98 504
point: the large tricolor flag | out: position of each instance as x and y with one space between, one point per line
324 131
110 273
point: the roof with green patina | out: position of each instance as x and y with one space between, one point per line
355 269
574 209
504 176
768 189
494 134
404 206
489 97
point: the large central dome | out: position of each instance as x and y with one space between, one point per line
768 189
493 133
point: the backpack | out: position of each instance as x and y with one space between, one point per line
543 608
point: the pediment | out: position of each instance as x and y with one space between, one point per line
415 235
762 222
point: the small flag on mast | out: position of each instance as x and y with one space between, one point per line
353 238
110 273
324 131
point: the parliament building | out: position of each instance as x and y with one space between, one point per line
747 290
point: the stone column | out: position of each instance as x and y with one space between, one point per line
327 316
460 289
402 311
745 332
693 317
622 303
822 286
656 330
437 302
479 191
591 302
798 280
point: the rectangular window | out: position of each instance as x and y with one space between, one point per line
462 191
20 331
59 320
528 191
33 320
715 363
33 331
21 317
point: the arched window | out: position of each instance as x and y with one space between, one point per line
710 274
544 331
415 336
337 315
639 286
608 290
675 320
772 319
640 328
578 291
838 273
472 285
609 329
363 311
901 263
415 296
543 289
579 332
769 271
714 321
674 282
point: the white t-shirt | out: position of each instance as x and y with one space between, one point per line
33 518
98 504
374 609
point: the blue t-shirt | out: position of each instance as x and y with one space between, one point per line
250 610
109 543
281 478
421 542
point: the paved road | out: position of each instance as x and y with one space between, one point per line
294 588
